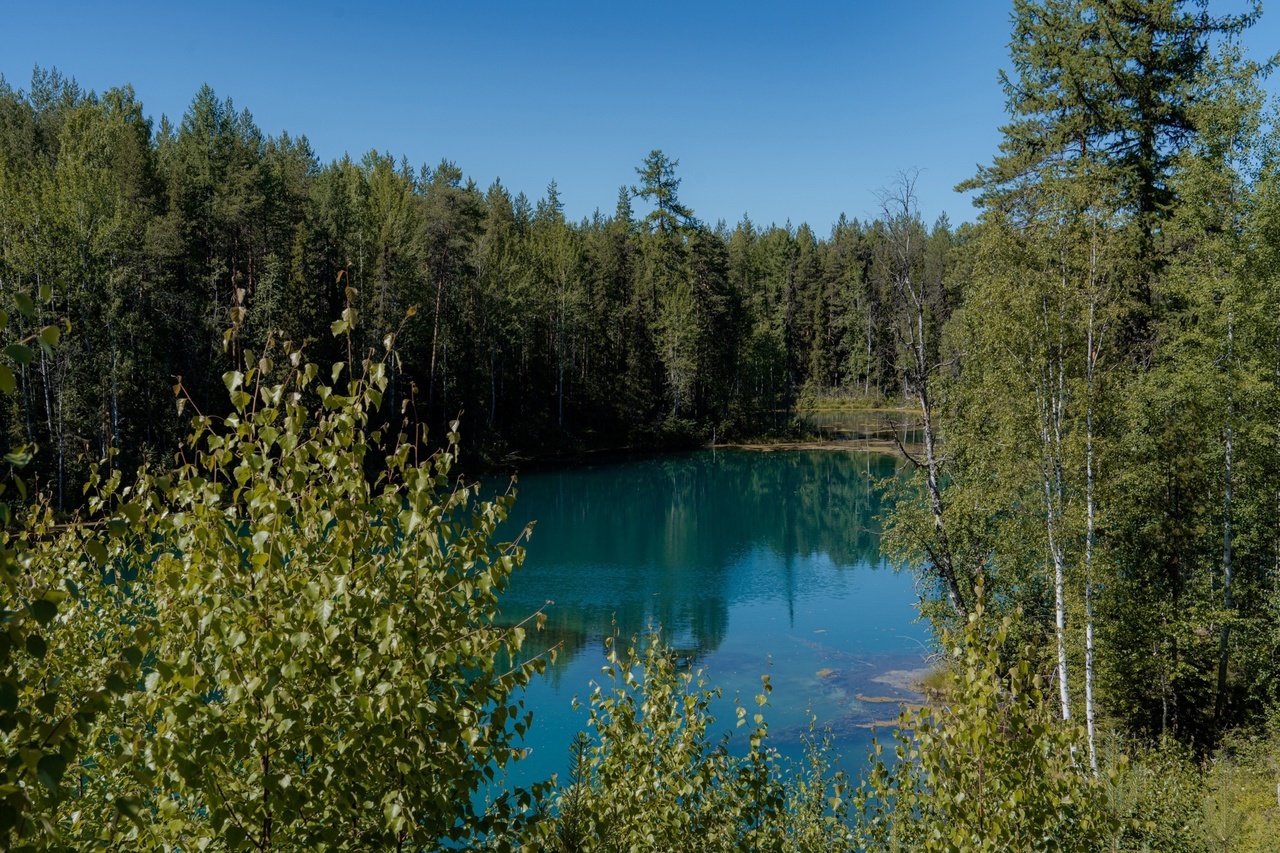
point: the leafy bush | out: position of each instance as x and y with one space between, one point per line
650 776
989 768
57 674
1241 812
324 669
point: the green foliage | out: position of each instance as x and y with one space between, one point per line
1106 387
1111 85
1241 806
325 669
546 333
660 186
988 768
1168 800
1157 796
56 674
650 775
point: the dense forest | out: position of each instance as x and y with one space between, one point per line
1102 444
639 326
283 632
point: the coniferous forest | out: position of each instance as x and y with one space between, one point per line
250 605
639 326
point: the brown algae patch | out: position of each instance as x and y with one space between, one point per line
908 680
862 697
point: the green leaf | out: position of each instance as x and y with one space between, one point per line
46 293
36 646
50 335
48 703
8 384
50 770
97 551
235 836
130 808
54 596
44 611
8 697
20 353
132 511
19 457
25 305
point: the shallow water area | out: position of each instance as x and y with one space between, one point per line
751 563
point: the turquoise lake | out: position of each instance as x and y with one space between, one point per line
751 562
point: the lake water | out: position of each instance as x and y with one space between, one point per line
751 562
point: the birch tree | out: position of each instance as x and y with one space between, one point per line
916 331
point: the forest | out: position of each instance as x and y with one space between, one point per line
251 605
641 326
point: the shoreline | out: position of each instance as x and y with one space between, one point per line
858 445
859 441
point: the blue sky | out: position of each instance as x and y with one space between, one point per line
782 111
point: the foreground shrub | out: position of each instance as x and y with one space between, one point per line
324 671
59 671
650 775
990 768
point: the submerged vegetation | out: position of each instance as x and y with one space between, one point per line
281 631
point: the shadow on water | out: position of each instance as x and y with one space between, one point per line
749 562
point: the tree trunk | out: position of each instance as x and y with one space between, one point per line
1228 493
435 338
945 565
1089 710
1059 510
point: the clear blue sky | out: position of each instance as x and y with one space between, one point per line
783 111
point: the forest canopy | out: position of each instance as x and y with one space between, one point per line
637 325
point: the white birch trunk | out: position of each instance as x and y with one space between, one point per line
1227 496
1052 404
1090 713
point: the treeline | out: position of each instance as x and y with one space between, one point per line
641 325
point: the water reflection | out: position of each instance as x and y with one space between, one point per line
666 540
751 562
